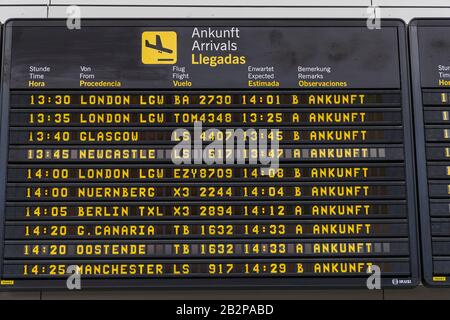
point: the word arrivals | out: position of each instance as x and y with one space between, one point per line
187 310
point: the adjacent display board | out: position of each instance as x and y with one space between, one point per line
207 153
430 63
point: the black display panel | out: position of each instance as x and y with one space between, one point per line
429 42
207 153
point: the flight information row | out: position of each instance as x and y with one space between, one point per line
232 135
210 210
212 117
192 173
213 268
209 248
213 191
200 229
149 154
217 99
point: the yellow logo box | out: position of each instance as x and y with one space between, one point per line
159 47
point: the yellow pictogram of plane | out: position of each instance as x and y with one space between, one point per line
159 47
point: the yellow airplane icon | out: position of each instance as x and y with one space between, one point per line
159 47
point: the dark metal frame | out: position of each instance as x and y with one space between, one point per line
230 283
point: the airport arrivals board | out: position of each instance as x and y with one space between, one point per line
431 85
206 153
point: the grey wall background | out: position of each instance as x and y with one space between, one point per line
402 9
